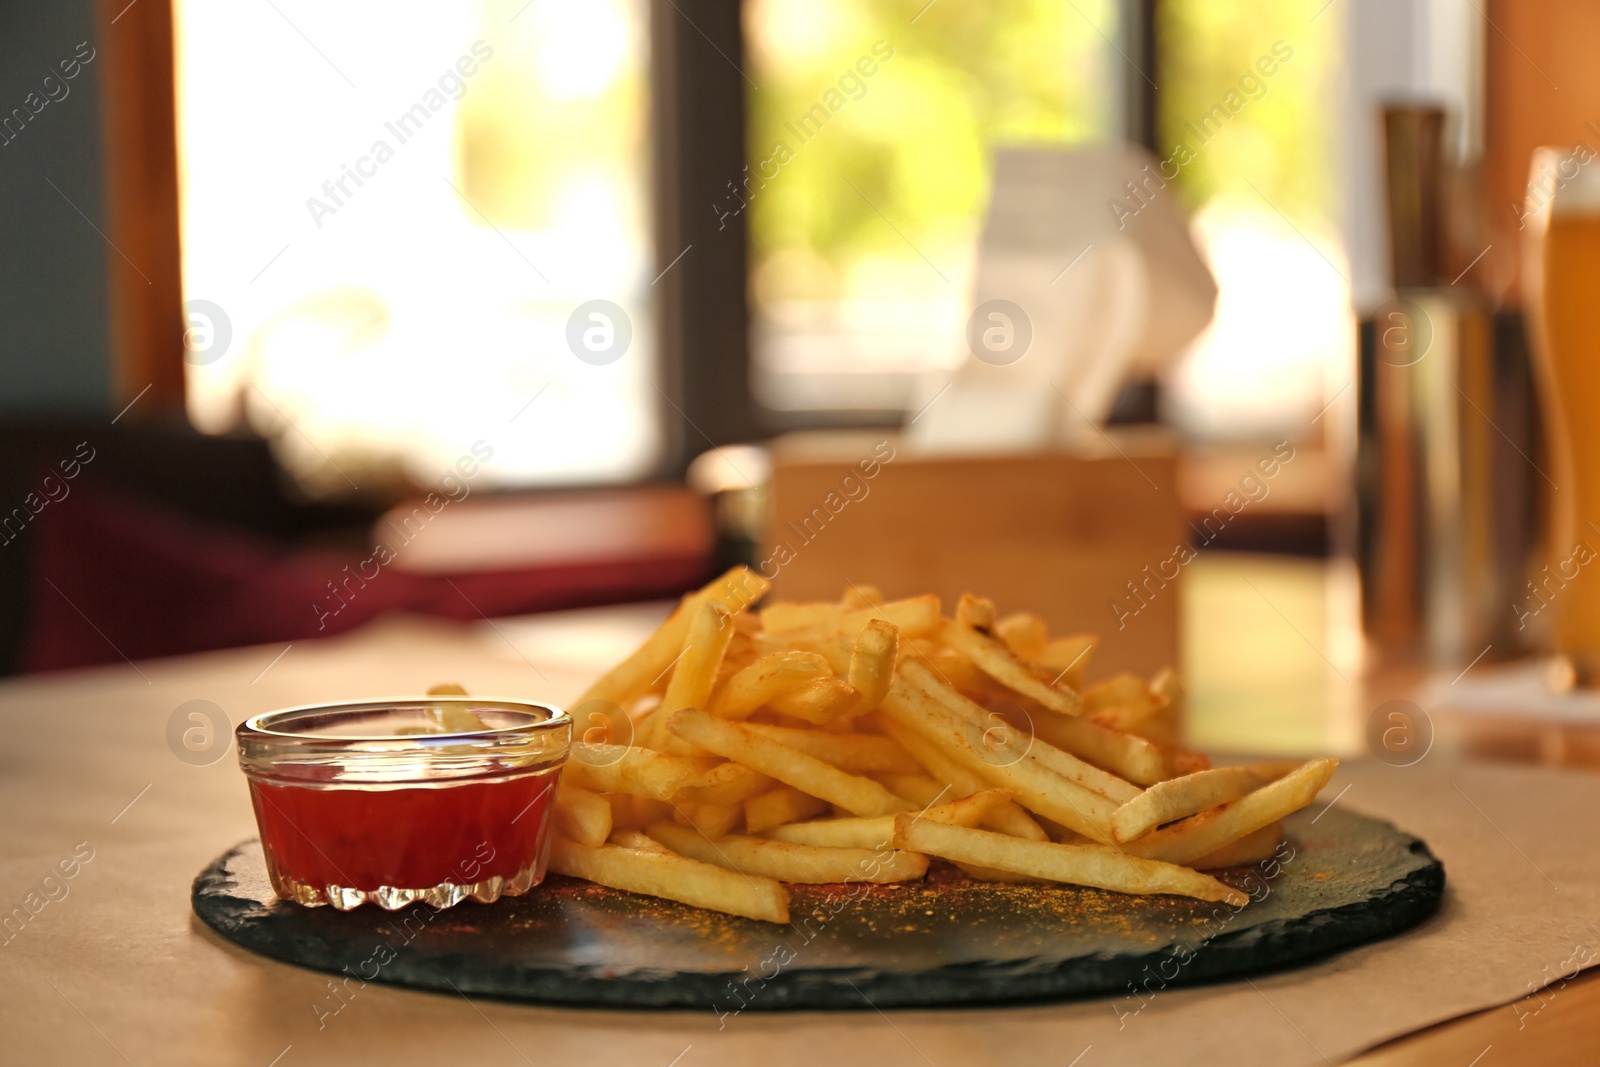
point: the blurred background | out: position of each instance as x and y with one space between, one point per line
515 306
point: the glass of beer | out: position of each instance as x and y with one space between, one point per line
1561 286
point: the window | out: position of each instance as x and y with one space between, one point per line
391 227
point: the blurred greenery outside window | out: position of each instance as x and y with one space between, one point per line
864 226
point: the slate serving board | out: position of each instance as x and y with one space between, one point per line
1341 880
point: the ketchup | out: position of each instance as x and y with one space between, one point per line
406 837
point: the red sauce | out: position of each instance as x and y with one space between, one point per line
410 837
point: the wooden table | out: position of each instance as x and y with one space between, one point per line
97 757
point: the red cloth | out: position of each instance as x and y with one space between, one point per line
115 577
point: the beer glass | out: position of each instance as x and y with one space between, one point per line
1561 286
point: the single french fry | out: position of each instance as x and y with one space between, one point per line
1065 659
1009 818
818 702
638 839
696 668
787 615
1251 848
920 789
857 753
861 796
583 816
748 689
775 807
713 820
1124 702
672 877
1024 633
993 658
951 667
1179 798
917 616
878 832
789 862
627 681
980 873
1165 726
872 662
861 596
1074 864
1202 834
977 612
1128 756
726 783
639 771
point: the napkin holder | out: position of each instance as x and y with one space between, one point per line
1093 540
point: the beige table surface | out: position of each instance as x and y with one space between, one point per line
119 971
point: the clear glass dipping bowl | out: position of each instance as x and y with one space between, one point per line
393 801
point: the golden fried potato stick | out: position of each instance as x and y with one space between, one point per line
872 662
1126 755
819 702
713 820
789 862
916 616
1074 864
1024 633
861 596
633 770
1251 848
878 833
1065 659
672 877
583 816
856 753
776 807
726 783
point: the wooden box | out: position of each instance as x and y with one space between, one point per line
1093 542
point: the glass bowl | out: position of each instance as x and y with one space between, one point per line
432 799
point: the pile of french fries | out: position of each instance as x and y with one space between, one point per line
739 749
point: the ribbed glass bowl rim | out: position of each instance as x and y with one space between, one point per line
258 732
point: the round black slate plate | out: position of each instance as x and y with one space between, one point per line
1340 880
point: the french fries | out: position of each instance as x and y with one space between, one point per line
859 754
856 740
583 816
637 771
673 877
1178 798
780 806
993 658
624 683
878 832
769 676
790 862
872 662
1076 864
861 796
1202 834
